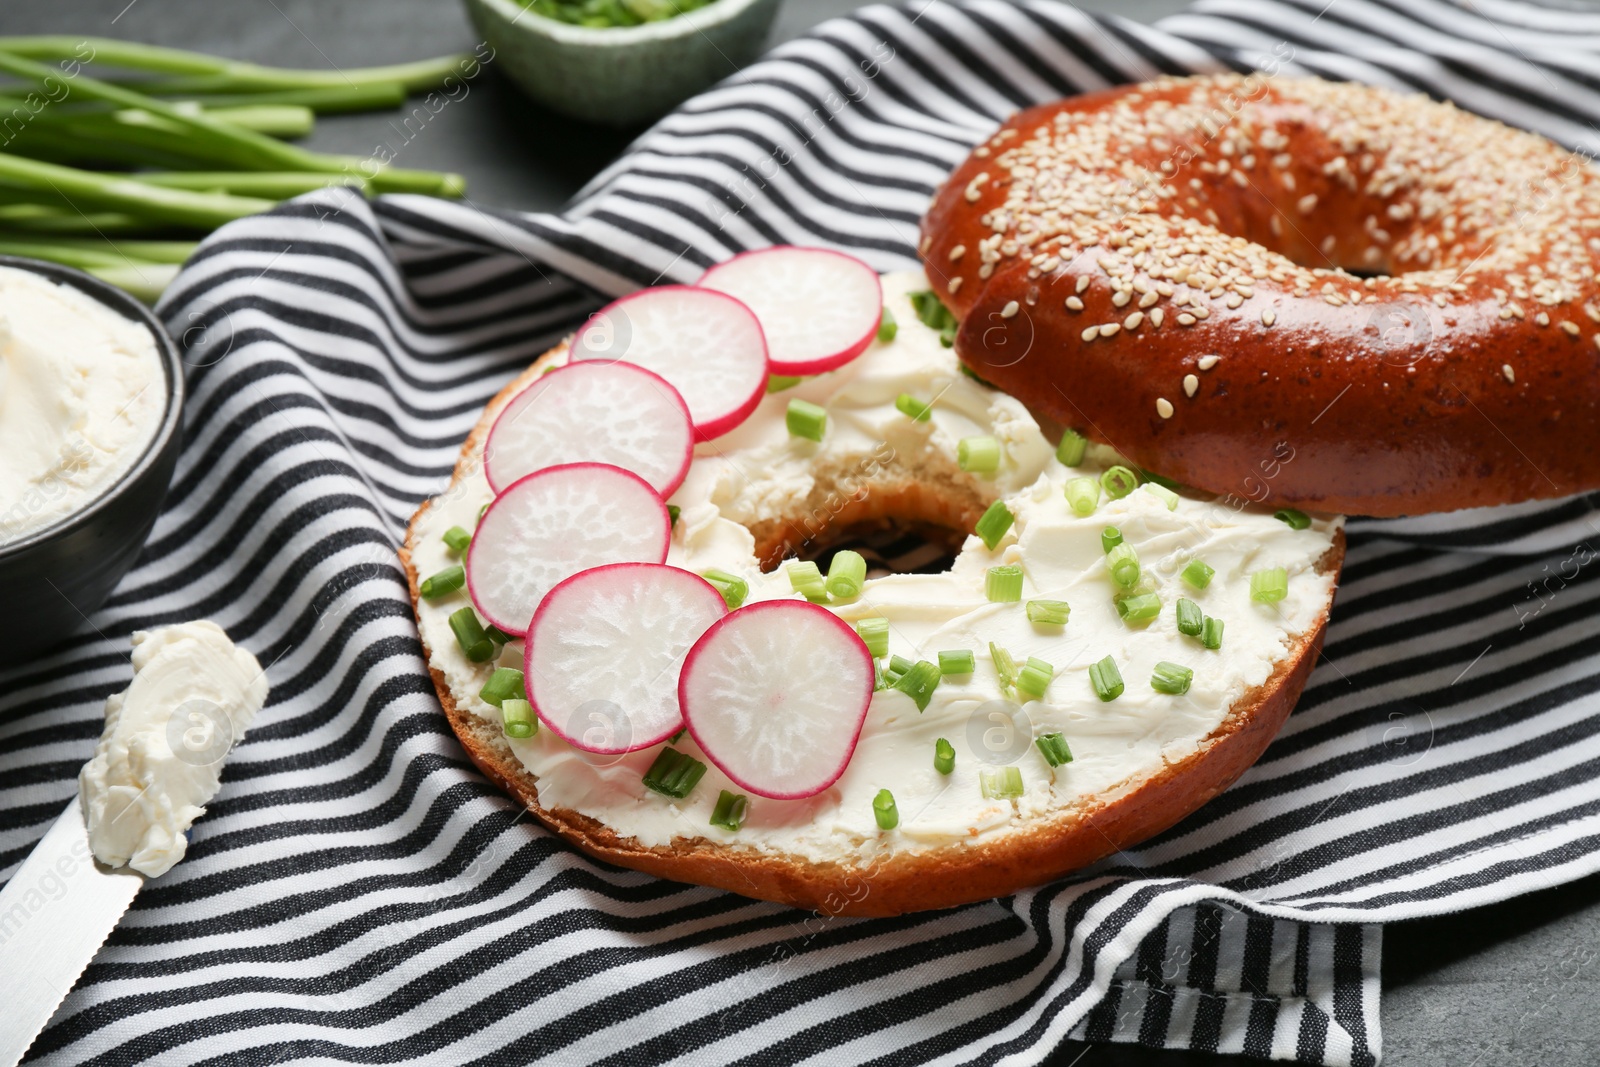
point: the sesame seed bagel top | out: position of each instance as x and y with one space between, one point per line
1195 270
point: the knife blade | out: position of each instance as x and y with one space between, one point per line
55 913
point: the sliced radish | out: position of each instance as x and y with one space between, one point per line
605 648
553 524
707 344
819 309
775 694
590 412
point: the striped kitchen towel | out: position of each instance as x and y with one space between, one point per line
358 893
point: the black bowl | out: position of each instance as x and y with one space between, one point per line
56 578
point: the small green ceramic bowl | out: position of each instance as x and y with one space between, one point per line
623 75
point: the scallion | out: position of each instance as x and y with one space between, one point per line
1118 482
498 636
980 455
918 682
1269 586
777 383
874 634
674 773
1163 494
1140 607
994 523
1198 574
470 636
1171 678
1296 520
1211 633
732 587
887 326
1106 679
730 810
1004 665
913 408
1110 538
806 419
1000 783
1034 677
957 661
884 811
944 756
445 582
673 511
1083 496
806 579
1190 618
517 718
846 572
456 539
504 684
1049 612
1053 747
1071 450
1123 564
1003 584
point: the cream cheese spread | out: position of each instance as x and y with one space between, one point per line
760 472
159 761
82 392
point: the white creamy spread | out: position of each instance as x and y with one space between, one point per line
159 761
82 392
759 472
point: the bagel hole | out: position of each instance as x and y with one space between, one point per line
889 546
903 530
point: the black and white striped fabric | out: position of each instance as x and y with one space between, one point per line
358 893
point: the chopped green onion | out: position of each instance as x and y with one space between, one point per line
1110 538
913 408
1138 608
498 636
1053 747
732 587
899 665
518 718
878 680
874 634
994 524
1211 633
674 773
957 661
1034 678
978 454
1198 573
944 756
1119 482
1071 450
805 578
1004 665
777 383
932 313
887 326
1000 783
884 811
1297 520
1123 563
1152 476
483 511
1083 496
675 738
446 581
673 511
1269 586
1163 494
806 419
846 573
970 373
918 682
456 539
504 684
1106 679
470 636
1190 617
1171 678
1003 584
1049 612
730 809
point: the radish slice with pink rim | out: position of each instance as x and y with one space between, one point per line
775 695
550 525
615 413
819 309
605 649
707 344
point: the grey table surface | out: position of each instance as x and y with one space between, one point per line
1516 983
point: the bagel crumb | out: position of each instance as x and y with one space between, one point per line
1163 407
1191 384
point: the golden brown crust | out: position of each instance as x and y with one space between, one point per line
1459 381
939 878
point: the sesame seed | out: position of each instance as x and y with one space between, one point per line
1268 317
1083 282
955 283
1010 310
1163 407
1542 319
1569 326
1191 385
1091 333
1074 304
1207 362
957 252
1110 329
1187 319
1133 320
1511 375
1307 204
1156 316
1120 299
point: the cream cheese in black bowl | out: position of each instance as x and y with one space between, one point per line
91 417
